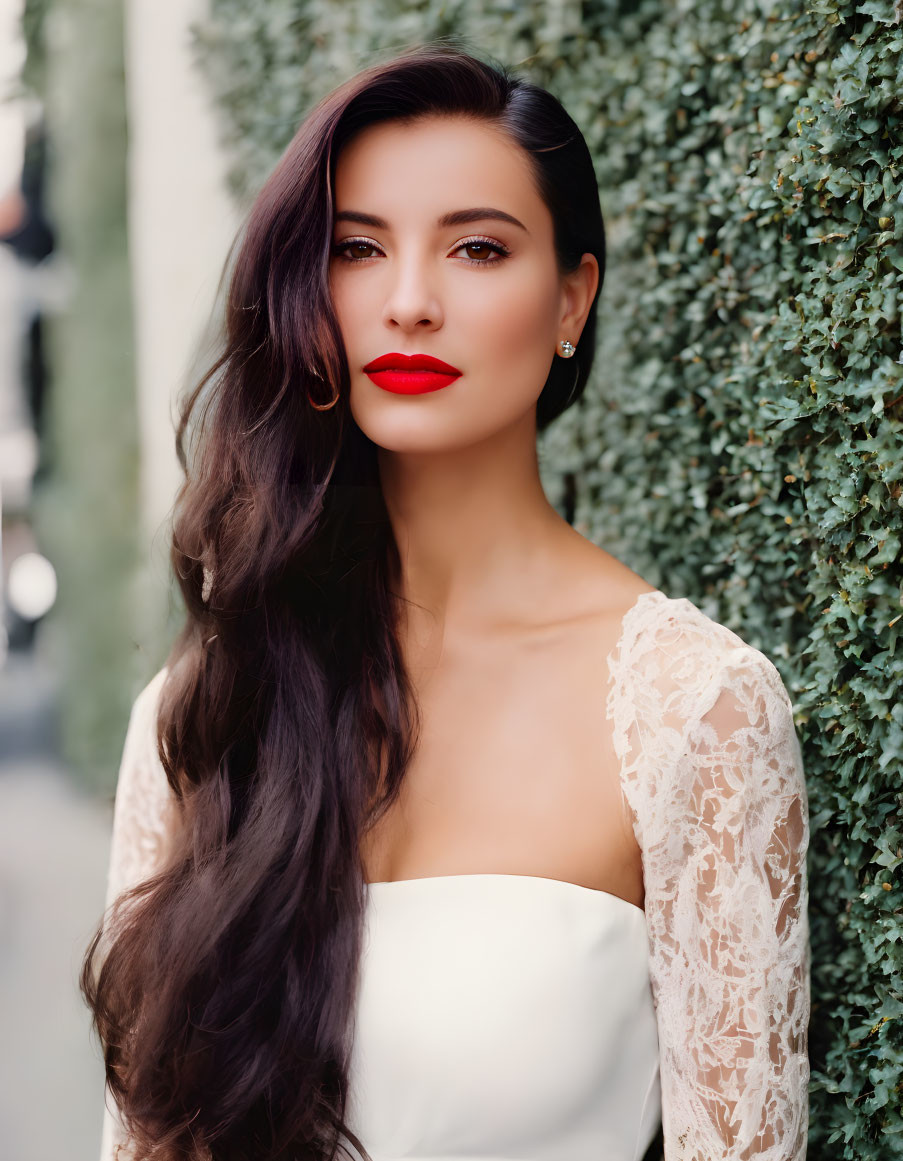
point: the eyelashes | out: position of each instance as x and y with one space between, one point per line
340 250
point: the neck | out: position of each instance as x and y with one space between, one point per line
473 528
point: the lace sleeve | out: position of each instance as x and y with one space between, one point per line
142 816
714 781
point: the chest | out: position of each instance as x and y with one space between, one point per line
515 770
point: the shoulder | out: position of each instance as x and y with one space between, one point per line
703 725
725 697
679 676
739 686
687 655
141 771
148 697
141 732
670 658
150 693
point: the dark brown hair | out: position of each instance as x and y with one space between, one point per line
224 999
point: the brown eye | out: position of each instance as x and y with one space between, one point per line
488 249
350 250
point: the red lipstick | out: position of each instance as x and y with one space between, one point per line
410 374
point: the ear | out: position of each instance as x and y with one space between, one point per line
577 293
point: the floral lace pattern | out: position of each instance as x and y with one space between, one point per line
713 788
141 815
141 820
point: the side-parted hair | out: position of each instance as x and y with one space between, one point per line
223 993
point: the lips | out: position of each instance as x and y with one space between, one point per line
397 362
411 374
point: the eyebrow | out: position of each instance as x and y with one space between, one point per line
454 218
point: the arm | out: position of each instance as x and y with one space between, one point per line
142 816
726 898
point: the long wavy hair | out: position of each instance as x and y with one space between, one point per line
223 994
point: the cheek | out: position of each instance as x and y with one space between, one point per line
343 305
513 318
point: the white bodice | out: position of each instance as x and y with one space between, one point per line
513 1017
503 1018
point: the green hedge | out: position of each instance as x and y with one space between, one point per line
740 443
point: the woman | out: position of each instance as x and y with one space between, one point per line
460 839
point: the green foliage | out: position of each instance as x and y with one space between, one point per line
740 443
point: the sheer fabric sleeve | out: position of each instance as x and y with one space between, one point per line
715 792
143 813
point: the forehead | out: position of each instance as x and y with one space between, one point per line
436 163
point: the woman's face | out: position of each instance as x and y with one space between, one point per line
483 295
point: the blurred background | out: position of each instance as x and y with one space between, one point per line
114 226
740 442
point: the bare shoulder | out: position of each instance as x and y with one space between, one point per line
597 585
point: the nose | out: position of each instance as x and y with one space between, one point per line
412 300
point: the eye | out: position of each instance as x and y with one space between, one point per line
345 250
484 244
341 249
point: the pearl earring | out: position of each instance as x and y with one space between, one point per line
566 348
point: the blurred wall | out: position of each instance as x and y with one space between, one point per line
181 223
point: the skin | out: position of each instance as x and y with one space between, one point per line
512 610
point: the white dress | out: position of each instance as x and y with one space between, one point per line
505 1017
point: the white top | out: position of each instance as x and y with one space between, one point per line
517 1018
504 1016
